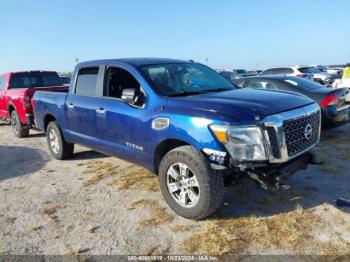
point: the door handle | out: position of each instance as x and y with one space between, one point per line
70 105
101 111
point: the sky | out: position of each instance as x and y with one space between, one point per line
225 34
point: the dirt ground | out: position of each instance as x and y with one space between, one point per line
95 204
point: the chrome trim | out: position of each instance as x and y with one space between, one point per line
276 122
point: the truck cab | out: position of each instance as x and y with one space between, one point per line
182 121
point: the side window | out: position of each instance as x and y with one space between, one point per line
87 82
122 85
286 71
2 82
20 80
273 71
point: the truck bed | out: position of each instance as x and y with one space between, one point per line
47 103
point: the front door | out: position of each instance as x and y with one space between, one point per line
121 125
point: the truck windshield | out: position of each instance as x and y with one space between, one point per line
34 79
185 79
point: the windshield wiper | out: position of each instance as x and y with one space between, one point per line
220 89
185 93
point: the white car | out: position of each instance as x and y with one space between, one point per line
334 70
299 71
320 76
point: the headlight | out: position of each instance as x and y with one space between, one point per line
243 143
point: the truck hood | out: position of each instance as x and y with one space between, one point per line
245 105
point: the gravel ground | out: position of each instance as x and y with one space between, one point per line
86 205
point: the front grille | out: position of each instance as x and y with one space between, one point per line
273 142
294 131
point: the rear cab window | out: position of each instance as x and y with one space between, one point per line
34 79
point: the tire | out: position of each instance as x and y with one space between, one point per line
209 189
58 146
18 129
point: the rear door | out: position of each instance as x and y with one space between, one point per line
82 104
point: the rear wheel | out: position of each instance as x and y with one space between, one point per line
59 148
18 129
189 185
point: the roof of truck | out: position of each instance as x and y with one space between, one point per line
136 61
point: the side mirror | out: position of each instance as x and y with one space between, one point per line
129 95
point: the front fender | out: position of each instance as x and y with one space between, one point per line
193 130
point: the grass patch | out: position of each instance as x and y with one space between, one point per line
75 251
156 251
99 170
337 247
138 179
159 214
35 227
50 212
180 228
292 231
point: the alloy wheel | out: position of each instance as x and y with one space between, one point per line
183 185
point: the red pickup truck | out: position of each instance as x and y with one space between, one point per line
16 92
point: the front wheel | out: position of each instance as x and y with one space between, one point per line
18 129
58 146
189 185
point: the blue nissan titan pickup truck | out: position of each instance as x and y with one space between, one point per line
184 122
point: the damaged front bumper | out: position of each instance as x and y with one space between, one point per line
269 176
272 177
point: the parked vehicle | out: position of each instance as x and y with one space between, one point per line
16 92
231 75
319 76
241 73
65 80
289 71
253 72
335 70
228 75
333 102
182 121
